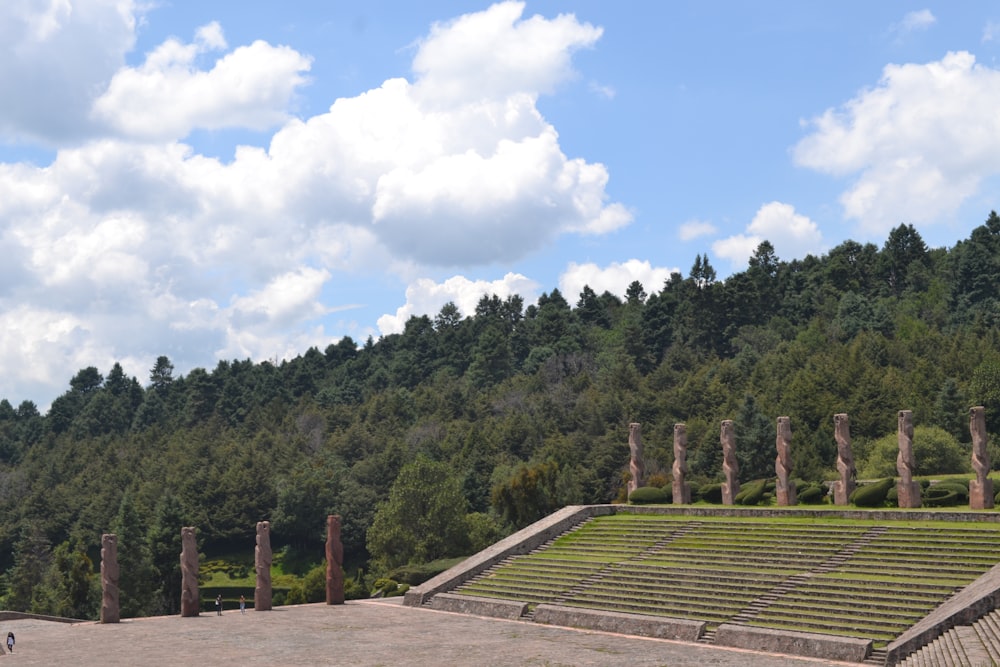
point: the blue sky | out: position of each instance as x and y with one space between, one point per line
220 180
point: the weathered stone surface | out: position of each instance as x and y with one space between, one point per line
262 563
334 561
521 542
190 604
848 649
730 467
681 488
785 486
844 487
109 579
980 488
470 604
611 621
636 466
906 488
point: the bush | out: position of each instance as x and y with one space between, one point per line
711 493
648 495
384 588
751 493
936 452
872 495
938 496
960 487
811 494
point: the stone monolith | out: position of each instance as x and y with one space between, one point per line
681 488
636 466
730 468
784 485
262 565
844 487
190 603
980 488
110 612
906 488
334 561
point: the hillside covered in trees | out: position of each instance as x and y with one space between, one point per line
438 440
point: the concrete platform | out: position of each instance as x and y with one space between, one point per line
357 633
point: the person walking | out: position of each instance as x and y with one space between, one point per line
10 642
243 605
218 604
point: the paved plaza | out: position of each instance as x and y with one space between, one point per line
357 633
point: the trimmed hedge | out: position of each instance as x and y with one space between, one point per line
811 494
938 496
649 495
751 493
711 493
872 495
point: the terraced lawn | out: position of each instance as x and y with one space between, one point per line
866 579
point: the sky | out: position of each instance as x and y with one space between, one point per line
220 180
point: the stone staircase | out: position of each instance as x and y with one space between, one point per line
976 645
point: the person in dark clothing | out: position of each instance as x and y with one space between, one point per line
218 604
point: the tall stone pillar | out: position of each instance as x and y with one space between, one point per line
980 488
334 561
262 565
110 612
636 466
844 487
730 468
190 602
681 489
784 486
906 488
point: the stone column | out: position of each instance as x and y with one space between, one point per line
785 486
190 602
906 488
730 467
980 488
334 561
635 466
681 489
844 487
109 579
262 561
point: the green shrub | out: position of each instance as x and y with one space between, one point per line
811 494
872 495
647 495
711 493
751 493
354 590
938 496
936 452
961 490
384 587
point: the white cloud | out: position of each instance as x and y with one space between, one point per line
920 19
426 297
168 96
921 142
792 234
494 54
614 278
990 31
140 246
55 58
693 229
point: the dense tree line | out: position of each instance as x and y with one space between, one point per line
463 427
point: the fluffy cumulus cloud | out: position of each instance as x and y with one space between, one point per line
138 245
614 278
917 145
426 297
792 234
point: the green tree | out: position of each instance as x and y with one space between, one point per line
935 452
136 581
422 520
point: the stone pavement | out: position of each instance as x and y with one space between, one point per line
358 633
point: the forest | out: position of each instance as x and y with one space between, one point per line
437 441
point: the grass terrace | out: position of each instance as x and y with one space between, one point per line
863 578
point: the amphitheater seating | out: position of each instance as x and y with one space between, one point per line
855 578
